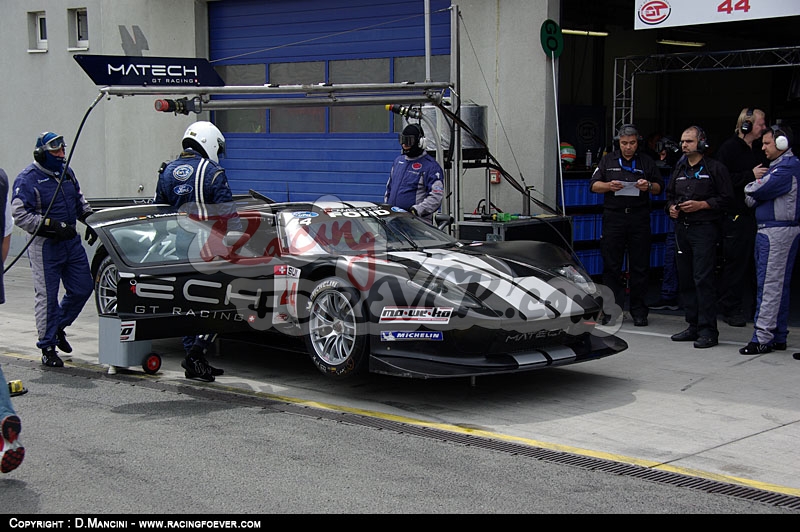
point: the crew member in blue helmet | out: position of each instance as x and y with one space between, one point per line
47 202
416 182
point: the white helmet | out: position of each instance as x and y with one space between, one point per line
206 138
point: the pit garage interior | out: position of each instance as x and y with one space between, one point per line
628 76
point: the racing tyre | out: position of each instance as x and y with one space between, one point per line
336 335
105 287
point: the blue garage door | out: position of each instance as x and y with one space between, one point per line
306 153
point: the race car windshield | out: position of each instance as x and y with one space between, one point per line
356 232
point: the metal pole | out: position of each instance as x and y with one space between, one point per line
427 40
558 135
455 79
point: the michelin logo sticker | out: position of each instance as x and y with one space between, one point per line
394 336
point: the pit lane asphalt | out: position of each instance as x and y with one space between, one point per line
710 413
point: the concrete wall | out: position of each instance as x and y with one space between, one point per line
504 67
123 141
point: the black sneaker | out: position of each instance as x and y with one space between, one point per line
62 344
753 348
687 335
778 346
51 358
197 368
214 371
196 352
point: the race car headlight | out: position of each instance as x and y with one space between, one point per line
577 277
449 291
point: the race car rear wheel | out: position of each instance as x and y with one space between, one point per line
105 287
336 335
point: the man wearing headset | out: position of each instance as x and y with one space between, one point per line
416 181
627 178
697 195
776 198
744 164
47 202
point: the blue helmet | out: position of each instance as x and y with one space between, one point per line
47 143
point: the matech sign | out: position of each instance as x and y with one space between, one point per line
667 13
149 71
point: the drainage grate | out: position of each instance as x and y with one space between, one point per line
585 462
590 463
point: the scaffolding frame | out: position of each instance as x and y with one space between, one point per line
626 69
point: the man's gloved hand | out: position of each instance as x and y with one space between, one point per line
90 236
58 230
413 211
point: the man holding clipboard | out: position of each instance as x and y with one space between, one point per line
627 179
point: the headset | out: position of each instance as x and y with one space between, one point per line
702 140
422 140
41 149
782 141
627 130
747 122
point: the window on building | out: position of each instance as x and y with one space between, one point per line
297 119
413 69
335 119
359 118
37 31
78 29
242 120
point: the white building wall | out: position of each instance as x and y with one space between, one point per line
123 141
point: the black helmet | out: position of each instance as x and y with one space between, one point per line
412 139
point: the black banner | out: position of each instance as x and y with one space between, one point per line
149 71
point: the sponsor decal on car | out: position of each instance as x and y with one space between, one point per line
416 314
357 213
305 214
394 336
534 335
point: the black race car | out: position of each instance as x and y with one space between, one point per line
359 285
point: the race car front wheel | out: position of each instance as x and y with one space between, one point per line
336 335
105 287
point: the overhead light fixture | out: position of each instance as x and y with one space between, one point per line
681 43
585 33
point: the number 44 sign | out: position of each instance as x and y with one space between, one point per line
667 13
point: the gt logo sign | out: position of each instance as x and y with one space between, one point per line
654 12
416 314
